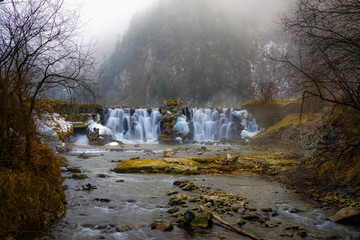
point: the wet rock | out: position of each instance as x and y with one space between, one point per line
83 156
294 210
302 233
294 227
74 169
347 215
266 209
241 222
131 200
164 226
79 176
171 192
175 201
251 208
123 228
117 161
167 154
102 175
176 214
251 217
220 236
270 224
189 216
99 135
208 204
192 199
121 180
102 200
177 183
134 158
202 220
286 234
173 210
88 187
235 207
263 220
189 187
137 145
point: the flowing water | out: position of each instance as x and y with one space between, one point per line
136 200
139 126
209 125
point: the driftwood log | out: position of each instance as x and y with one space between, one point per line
236 229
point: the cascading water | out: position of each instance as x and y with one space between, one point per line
213 126
140 126
204 125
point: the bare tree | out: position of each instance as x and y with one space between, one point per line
270 78
39 52
327 35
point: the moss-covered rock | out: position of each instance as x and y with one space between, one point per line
79 176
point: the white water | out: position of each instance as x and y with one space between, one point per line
139 127
212 126
209 125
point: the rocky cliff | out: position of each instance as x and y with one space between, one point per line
191 50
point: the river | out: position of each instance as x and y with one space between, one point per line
124 205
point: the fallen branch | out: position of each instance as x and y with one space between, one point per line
236 229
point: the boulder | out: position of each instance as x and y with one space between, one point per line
99 134
201 219
347 215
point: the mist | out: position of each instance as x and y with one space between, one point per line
106 22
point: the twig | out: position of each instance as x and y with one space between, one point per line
236 229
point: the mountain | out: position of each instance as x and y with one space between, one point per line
196 51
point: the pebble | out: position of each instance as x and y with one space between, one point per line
102 200
123 228
173 210
266 209
79 176
241 222
171 192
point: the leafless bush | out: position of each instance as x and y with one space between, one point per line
39 52
327 36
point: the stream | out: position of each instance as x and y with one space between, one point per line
124 205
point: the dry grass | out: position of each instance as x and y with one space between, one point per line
32 196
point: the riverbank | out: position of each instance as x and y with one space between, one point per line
103 204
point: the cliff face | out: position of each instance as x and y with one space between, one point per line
190 50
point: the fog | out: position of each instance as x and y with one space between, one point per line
106 21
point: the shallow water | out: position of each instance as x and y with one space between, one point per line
137 200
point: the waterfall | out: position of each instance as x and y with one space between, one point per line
139 126
211 125
203 124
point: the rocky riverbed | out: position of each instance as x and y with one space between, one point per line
103 204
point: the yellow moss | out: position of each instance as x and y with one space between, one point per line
280 102
175 165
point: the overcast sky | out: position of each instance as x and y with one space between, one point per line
109 18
